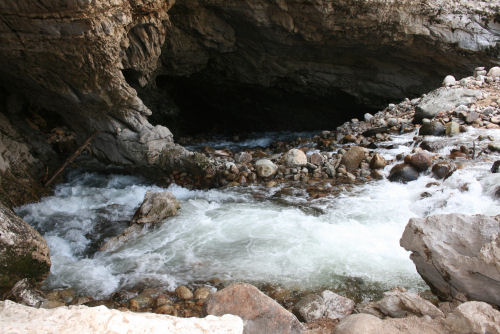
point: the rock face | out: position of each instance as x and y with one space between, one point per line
262 315
156 207
96 63
15 318
444 99
457 254
326 305
23 251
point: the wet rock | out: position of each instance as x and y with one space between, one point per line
421 161
183 292
24 293
473 317
166 309
457 254
377 162
265 168
243 157
452 129
443 169
140 302
262 315
353 157
23 251
495 167
156 207
373 131
494 72
325 305
494 147
399 303
403 173
294 158
472 117
432 128
128 234
443 99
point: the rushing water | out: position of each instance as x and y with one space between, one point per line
253 234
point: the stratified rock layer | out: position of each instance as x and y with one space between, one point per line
457 254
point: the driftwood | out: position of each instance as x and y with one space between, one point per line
70 159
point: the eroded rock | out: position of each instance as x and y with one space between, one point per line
325 305
457 254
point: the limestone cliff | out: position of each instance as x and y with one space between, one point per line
79 58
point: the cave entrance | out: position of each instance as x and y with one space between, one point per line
217 107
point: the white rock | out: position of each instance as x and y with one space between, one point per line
265 168
457 254
17 319
368 117
295 157
449 80
494 72
473 317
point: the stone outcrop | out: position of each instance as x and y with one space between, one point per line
262 315
457 255
23 251
15 318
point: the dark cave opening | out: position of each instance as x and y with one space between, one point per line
219 107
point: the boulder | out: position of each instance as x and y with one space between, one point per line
262 315
400 303
473 317
494 72
294 158
265 168
443 169
444 99
325 305
449 80
421 161
377 162
403 173
432 128
353 157
15 318
457 255
23 251
156 207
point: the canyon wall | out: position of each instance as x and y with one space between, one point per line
86 60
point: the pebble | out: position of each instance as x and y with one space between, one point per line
183 292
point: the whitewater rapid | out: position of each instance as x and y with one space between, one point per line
253 234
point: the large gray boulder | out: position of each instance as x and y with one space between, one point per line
444 99
23 251
457 255
262 315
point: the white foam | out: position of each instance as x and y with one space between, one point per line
230 235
